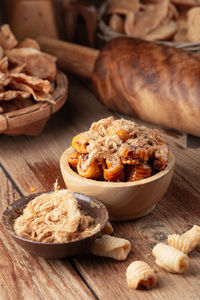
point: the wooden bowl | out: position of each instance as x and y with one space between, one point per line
93 207
29 117
124 200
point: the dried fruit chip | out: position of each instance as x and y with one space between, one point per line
180 36
129 23
193 33
39 64
150 17
29 43
7 39
17 69
117 23
163 32
123 6
10 95
1 52
186 3
35 83
37 95
4 65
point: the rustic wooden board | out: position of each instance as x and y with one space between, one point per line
35 162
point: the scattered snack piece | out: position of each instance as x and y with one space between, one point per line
193 234
193 31
118 150
54 218
110 246
181 243
32 189
7 39
108 229
140 274
170 259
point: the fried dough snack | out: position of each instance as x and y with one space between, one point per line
118 150
25 71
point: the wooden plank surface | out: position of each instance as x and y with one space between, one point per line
34 162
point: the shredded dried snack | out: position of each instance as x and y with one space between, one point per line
118 150
54 218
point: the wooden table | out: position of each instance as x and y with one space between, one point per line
34 162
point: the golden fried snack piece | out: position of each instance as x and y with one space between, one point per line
4 74
80 142
193 30
38 64
91 171
73 159
7 39
37 95
116 23
129 152
139 171
10 95
113 169
123 6
29 43
35 83
1 110
161 156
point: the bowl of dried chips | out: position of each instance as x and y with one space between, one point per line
177 21
31 88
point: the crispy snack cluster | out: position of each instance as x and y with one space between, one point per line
25 71
118 150
152 20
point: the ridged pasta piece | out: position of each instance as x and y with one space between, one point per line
193 234
110 246
80 142
108 229
161 156
92 171
73 159
181 243
170 259
138 172
139 273
113 169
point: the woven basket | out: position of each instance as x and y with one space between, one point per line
31 119
106 33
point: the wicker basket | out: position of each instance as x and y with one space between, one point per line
30 120
106 33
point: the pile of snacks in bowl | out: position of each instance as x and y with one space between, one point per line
126 166
118 150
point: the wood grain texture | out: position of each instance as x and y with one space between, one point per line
35 162
24 276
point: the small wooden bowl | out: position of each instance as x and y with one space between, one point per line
124 200
93 207
32 116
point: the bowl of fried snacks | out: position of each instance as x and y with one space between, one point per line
31 88
177 21
126 166
56 224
